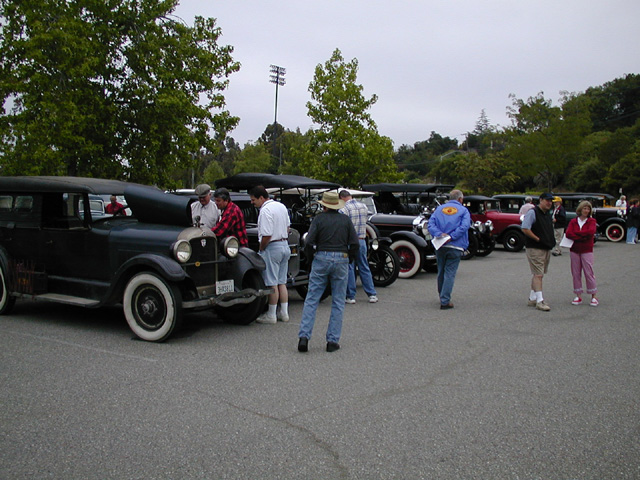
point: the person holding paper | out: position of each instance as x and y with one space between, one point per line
581 230
449 225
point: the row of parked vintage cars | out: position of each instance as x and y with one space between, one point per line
58 244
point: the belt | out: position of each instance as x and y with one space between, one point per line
279 240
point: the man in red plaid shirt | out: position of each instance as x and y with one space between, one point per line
231 218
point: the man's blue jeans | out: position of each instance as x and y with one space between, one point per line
327 268
631 234
448 260
365 273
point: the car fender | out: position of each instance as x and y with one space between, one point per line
611 220
414 238
246 260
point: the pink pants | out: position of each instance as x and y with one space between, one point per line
583 262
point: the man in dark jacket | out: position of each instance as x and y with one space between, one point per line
538 229
335 241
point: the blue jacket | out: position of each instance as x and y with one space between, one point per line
453 219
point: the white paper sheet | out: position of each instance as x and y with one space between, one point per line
566 242
439 241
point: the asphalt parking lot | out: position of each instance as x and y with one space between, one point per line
492 389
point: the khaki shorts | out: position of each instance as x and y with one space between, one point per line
538 260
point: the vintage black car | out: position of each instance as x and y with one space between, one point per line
153 262
612 223
300 194
402 213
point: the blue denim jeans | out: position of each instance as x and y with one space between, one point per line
364 271
327 268
448 260
631 234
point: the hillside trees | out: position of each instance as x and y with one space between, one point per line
544 140
346 146
116 89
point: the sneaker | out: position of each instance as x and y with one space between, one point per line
594 302
576 301
350 300
531 303
282 318
372 299
543 306
265 318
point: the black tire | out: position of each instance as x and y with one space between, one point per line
384 265
245 313
483 252
409 256
471 250
304 289
6 301
152 307
513 241
614 232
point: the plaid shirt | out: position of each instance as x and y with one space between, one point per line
232 223
358 214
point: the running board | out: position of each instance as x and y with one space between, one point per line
67 299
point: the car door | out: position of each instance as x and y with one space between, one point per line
75 256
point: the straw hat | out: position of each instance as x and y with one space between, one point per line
332 200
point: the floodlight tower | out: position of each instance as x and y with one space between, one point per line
277 77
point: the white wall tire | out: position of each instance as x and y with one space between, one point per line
152 307
6 301
410 258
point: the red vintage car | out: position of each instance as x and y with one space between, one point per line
506 226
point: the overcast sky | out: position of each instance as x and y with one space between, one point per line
434 65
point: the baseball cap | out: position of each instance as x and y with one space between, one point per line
202 190
546 196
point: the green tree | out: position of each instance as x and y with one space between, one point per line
346 147
488 175
117 89
254 157
544 140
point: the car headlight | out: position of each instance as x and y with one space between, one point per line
489 225
182 251
230 247
425 231
374 244
479 226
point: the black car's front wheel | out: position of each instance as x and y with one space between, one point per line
384 265
152 307
245 313
410 258
472 249
614 232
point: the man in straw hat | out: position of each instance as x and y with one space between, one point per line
335 241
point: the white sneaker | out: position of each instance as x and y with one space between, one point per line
283 318
350 300
543 306
373 299
265 318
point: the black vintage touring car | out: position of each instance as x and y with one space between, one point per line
153 262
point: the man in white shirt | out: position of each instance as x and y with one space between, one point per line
205 208
273 235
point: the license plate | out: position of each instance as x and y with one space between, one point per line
224 286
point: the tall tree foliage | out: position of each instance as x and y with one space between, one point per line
346 147
544 140
112 88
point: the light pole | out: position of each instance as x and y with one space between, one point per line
277 77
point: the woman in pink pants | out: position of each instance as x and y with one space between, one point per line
581 230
